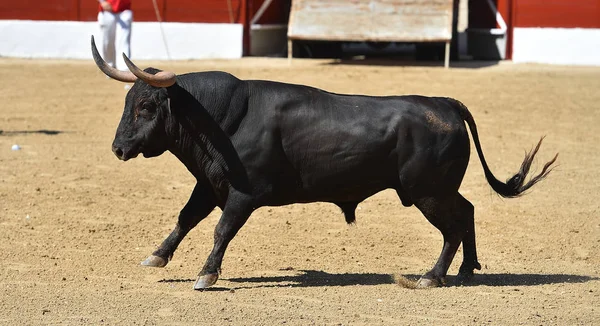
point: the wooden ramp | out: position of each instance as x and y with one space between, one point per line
371 20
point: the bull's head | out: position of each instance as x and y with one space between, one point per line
146 116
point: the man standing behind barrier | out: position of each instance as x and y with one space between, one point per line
115 15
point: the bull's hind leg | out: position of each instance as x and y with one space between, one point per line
470 261
235 214
447 216
197 208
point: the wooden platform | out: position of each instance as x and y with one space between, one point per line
371 20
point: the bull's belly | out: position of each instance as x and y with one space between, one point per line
353 186
342 193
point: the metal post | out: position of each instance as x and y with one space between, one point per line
447 56
290 45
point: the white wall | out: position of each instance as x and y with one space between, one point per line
567 46
69 39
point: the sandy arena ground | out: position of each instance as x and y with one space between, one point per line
75 222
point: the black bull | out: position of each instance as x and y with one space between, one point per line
260 143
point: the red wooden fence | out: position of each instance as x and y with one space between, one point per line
557 13
199 11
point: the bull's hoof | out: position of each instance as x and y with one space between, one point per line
155 261
205 281
426 283
465 273
464 277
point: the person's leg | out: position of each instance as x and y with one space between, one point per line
107 23
125 19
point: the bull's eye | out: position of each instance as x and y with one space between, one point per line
146 111
147 107
146 114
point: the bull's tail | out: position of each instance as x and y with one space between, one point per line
516 185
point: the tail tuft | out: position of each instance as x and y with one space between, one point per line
516 186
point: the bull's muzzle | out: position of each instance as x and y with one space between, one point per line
118 152
123 154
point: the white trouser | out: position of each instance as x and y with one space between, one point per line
115 26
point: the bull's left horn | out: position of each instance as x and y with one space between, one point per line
124 76
161 79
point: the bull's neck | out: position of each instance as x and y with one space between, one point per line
201 138
222 96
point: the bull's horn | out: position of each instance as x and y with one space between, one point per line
124 76
161 79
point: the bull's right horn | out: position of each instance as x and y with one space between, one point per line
124 76
161 79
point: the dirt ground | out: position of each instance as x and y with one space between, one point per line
75 222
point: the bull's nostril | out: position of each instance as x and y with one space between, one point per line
118 152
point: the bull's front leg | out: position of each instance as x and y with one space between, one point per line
200 204
235 214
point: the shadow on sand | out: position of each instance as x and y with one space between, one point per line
306 278
311 278
24 132
390 62
505 279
